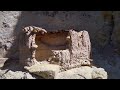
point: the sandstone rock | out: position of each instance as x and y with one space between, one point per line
47 71
99 73
116 32
103 36
84 72
7 30
91 21
15 75
76 73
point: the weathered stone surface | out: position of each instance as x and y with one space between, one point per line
83 73
47 71
99 73
29 44
76 73
11 23
79 47
51 71
8 22
116 32
103 36
15 75
2 61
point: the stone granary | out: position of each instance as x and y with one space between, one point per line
65 48
54 51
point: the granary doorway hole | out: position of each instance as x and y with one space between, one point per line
50 42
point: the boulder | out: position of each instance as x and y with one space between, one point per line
47 71
15 75
84 72
99 73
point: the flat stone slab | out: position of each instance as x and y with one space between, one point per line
47 71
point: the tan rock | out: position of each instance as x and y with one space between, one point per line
76 73
47 71
16 75
99 73
84 72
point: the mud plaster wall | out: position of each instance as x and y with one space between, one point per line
49 42
11 23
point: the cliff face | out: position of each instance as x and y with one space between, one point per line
102 26
11 23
